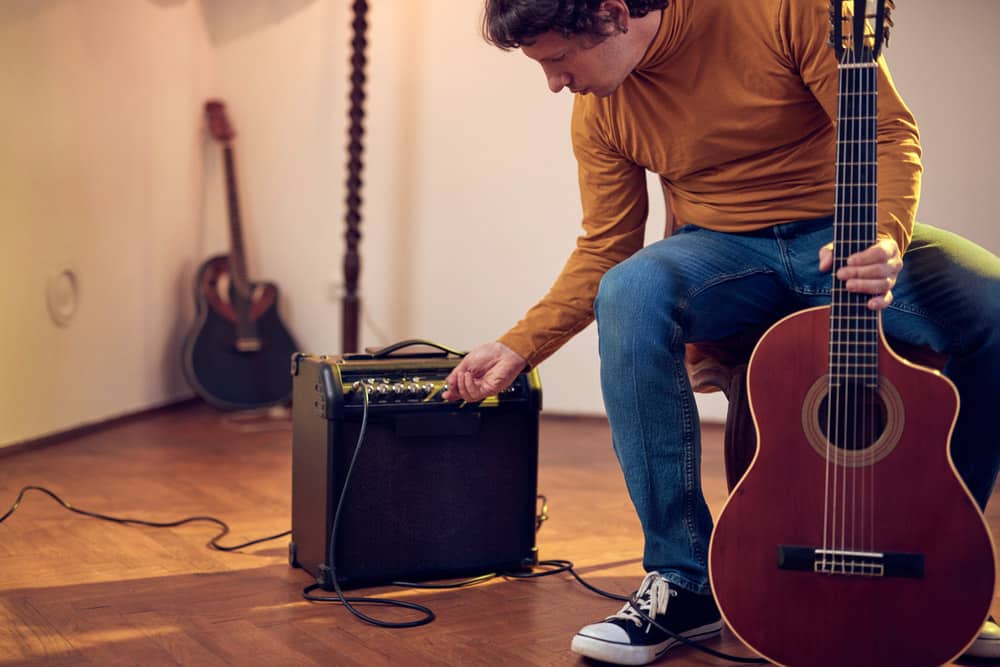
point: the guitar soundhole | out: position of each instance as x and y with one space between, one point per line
859 424
853 418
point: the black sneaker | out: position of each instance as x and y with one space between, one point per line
627 639
987 644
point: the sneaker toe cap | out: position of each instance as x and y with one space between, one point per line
608 632
987 644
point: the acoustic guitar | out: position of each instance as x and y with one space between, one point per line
238 354
851 540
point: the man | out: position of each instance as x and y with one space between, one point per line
733 105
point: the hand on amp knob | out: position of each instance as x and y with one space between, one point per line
487 370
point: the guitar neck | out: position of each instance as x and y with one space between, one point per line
853 326
238 266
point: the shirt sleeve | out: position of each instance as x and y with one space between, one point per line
804 27
615 205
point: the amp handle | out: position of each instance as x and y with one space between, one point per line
388 350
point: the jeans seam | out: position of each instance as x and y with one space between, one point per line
718 280
954 335
643 434
691 485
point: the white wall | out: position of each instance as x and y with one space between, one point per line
470 202
100 171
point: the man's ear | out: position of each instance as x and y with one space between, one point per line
615 13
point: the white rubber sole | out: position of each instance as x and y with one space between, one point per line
619 653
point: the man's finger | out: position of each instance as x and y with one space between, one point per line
870 285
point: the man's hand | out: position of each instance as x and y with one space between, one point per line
871 271
487 370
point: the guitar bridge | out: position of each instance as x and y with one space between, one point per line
851 563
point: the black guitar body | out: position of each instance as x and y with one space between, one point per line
236 362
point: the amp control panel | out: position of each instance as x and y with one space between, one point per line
398 383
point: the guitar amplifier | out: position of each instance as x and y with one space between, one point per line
438 490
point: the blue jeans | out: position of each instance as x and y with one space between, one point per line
701 285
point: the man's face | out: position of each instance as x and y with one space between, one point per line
582 63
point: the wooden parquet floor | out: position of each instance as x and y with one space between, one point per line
79 591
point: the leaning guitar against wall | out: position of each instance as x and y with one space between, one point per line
238 353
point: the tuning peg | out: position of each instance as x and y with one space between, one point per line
888 22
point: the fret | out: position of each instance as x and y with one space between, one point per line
850 381
868 383
871 65
851 330
861 347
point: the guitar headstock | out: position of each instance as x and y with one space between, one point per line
218 124
869 19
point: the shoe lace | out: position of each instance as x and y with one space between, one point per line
652 598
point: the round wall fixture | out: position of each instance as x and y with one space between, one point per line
62 293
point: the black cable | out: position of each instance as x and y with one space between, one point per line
472 581
348 603
567 566
213 543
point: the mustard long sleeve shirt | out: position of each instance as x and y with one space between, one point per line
733 106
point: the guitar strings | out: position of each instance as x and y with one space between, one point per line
845 320
873 347
854 414
856 405
832 400
853 403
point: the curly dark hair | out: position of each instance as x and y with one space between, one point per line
510 24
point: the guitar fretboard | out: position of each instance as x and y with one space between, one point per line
853 327
238 259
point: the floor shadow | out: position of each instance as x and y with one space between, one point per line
258 616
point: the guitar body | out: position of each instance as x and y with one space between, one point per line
906 483
221 370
